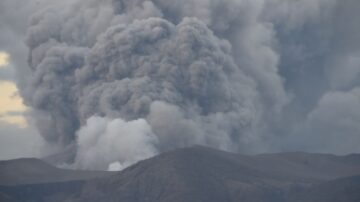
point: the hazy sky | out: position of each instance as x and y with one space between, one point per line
241 75
18 138
11 104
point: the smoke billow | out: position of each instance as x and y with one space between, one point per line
124 80
102 141
180 79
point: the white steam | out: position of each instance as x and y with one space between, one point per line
103 142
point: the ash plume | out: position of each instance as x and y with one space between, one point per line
130 79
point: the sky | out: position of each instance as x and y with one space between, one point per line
11 104
130 79
18 137
14 127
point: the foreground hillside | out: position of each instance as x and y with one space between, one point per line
35 171
199 174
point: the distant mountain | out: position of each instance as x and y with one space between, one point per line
35 171
31 179
199 174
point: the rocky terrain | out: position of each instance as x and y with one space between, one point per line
191 175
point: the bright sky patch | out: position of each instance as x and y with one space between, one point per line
4 59
11 104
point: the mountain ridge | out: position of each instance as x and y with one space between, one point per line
204 174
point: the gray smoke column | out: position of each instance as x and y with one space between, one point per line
181 78
123 80
169 67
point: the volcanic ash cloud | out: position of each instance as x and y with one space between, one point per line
125 80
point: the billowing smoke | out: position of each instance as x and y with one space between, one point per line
102 141
124 80
179 79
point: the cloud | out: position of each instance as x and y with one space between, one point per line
13 27
6 74
239 75
343 60
4 59
10 102
114 144
13 113
132 61
18 142
332 124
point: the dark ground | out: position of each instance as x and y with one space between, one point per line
193 174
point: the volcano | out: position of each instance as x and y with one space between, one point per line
191 174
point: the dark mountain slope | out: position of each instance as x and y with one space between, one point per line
6 198
342 189
34 171
42 192
202 174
